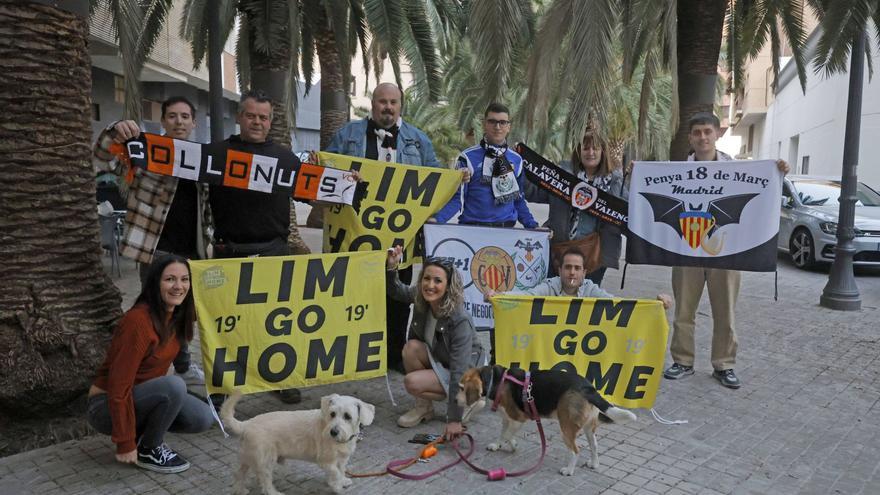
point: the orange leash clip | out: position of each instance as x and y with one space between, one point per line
427 452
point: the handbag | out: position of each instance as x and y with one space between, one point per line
589 246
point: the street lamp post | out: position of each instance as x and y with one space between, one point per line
841 292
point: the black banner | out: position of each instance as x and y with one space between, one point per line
567 186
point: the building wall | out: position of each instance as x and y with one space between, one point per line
812 125
103 95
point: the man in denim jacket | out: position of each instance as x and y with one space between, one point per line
410 145
384 136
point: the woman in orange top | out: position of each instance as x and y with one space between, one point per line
133 398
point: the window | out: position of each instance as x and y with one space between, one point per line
751 141
118 89
805 165
96 112
151 110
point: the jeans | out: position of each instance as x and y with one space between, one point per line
160 405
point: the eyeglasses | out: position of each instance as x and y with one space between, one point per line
498 123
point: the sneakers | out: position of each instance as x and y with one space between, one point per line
424 411
290 395
727 378
161 459
677 371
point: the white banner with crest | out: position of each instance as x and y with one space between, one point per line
490 258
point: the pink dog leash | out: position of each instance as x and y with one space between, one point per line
395 468
528 401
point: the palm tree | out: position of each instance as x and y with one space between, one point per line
682 36
277 37
841 23
137 25
57 305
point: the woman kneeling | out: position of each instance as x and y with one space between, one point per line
442 341
133 399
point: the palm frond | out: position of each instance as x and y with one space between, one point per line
543 63
359 21
791 16
243 54
267 19
419 49
495 29
128 18
308 46
592 38
195 25
842 22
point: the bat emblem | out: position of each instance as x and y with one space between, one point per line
697 227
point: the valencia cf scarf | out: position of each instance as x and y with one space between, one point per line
498 171
579 193
222 165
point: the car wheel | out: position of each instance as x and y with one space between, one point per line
802 249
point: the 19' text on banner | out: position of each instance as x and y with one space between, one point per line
617 344
281 322
399 199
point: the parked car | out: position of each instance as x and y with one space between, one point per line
808 221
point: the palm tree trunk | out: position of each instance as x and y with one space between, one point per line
57 305
334 100
700 24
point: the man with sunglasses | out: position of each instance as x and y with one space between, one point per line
493 196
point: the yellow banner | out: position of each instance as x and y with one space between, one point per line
400 198
290 321
618 344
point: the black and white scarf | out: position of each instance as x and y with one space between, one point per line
386 140
498 171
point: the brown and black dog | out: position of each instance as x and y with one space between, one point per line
560 395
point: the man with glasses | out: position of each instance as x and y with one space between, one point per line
493 196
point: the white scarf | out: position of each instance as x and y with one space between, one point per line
387 151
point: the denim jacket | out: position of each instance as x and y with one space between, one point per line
413 146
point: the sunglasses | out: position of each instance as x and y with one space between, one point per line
444 261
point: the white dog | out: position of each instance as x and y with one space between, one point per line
325 436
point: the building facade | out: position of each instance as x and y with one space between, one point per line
806 128
169 72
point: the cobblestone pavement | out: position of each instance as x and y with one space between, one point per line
801 423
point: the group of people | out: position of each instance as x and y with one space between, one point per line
136 401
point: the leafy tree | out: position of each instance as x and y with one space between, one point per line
572 55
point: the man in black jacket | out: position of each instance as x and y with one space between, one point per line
253 223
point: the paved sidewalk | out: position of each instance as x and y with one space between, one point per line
805 420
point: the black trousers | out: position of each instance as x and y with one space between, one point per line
398 316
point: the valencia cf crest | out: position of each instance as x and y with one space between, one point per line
583 196
697 227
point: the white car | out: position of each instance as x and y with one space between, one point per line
808 222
